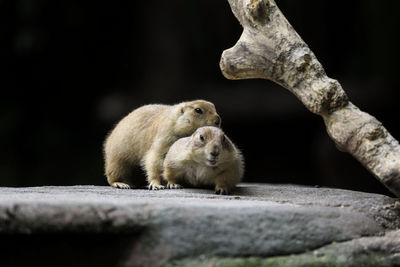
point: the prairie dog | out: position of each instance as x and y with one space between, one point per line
144 136
208 157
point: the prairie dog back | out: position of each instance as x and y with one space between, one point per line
138 127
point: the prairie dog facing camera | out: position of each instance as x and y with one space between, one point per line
143 137
208 157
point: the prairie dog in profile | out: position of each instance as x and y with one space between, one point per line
144 136
208 157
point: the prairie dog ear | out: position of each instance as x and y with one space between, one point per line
183 107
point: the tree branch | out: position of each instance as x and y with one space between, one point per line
269 48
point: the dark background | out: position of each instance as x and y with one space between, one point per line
71 69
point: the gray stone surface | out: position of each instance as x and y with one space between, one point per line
257 220
365 251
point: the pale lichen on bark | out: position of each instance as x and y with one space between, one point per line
269 48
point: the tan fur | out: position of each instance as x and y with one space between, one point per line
144 136
208 157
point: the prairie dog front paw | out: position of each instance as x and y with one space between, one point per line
156 186
221 190
174 186
120 185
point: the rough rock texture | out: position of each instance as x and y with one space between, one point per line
269 48
366 251
258 220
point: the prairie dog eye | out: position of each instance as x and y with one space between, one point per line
198 110
201 138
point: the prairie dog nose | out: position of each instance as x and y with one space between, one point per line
215 151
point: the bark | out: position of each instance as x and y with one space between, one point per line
269 48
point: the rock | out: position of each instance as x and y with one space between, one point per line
366 251
259 220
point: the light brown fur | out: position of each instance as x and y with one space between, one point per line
208 157
144 136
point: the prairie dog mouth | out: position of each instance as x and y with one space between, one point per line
212 162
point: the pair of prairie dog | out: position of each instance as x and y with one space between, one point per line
145 135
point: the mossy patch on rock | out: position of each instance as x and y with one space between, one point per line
368 251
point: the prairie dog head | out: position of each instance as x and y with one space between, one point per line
195 114
210 146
